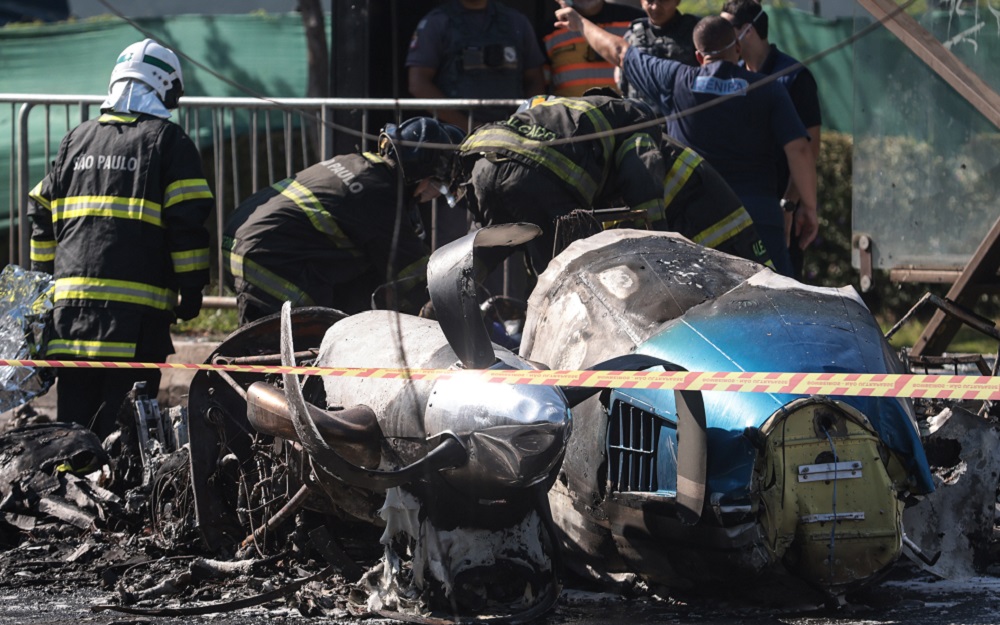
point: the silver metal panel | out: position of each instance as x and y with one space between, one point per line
848 470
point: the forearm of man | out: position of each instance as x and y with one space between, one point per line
421 85
792 193
802 166
608 45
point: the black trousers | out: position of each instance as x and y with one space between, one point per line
93 397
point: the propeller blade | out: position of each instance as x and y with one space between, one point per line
451 280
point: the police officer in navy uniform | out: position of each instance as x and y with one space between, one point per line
760 55
120 222
474 49
736 129
325 236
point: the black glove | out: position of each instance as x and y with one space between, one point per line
190 304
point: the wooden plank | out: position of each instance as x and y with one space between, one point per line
982 268
927 276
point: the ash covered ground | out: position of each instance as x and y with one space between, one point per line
74 551
37 589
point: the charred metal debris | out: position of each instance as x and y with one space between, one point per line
456 501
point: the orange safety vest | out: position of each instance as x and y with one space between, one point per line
574 66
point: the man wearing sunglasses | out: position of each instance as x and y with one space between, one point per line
759 55
733 118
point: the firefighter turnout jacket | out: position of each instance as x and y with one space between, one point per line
702 207
588 144
120 223
324 237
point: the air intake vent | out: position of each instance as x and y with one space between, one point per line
631 449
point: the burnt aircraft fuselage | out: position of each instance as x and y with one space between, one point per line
801 491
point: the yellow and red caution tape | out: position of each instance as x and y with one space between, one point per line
954 387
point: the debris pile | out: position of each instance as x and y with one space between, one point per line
450 498
24 300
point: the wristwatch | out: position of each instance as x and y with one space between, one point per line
789 206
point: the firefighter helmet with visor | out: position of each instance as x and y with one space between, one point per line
154 65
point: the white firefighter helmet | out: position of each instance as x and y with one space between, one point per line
154 65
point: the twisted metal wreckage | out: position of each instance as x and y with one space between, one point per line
486 493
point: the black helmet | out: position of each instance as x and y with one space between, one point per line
407 145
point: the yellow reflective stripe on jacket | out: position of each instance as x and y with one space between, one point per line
183 190
91 349
124 291
680 172
107 206
724 229
36 195
318 216
126 118
190 260
638 142
374 158
266 280
559 164
600 123
43 251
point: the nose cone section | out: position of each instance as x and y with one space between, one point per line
831 492
516 434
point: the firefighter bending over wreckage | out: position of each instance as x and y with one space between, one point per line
702 207
550 159
120 222
326 236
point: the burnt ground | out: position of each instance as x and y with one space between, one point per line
60 581
907 597
69 556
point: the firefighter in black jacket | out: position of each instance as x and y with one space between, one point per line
328 235
549 159
119 221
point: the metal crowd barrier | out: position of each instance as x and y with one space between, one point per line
246 143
